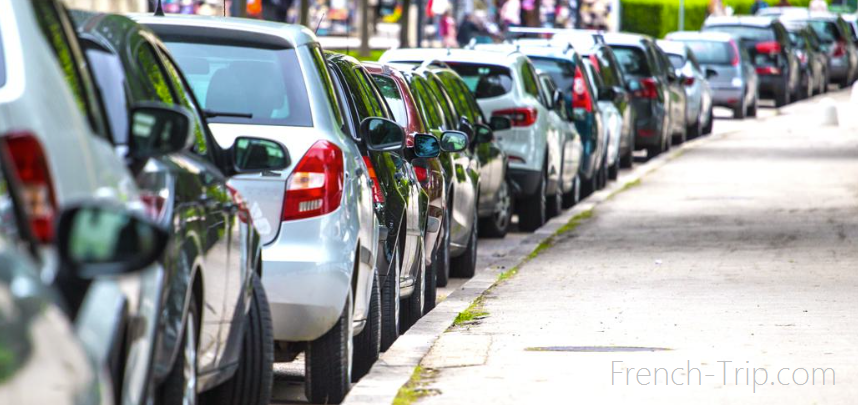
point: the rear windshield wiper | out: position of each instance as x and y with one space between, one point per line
212 114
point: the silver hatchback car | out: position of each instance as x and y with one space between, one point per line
316 219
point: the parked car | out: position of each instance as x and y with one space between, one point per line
767 41
813 59
698 94
728 69
611 121
836 37
214 316
498 83
647 79
316 218
852 22
677 99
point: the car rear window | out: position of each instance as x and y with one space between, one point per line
485 81
391 94
712 52
826 30
745 32
632 60
561 71
261 81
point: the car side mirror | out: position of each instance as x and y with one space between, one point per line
157 129
382 135
426 146
710 73
499 123
98 239
607 94
454 141
254 155
484 134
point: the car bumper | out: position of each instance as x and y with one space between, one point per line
307 274
769 85
524 182
838 68
730 97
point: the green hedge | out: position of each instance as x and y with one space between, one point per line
659 17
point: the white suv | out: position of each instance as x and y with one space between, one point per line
505 84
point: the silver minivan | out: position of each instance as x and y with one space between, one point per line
316 219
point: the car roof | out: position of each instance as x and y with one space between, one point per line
292 35
753 21
418 55
815 15
699 36
672 47
622 38
543 48
775 11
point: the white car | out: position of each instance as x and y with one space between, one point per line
505 84
612 121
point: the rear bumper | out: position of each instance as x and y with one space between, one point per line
770 85
730 97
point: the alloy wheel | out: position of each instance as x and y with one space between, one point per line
503 213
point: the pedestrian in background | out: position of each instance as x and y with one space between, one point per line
758 5
276 10
511 13
715 9
784 3
818 5
447 29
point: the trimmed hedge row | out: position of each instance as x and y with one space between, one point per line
659 17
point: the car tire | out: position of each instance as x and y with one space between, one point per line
554 203
328 361
411 308
752 109
367 344
465 265
251 383
781 99
497 225
180 386
614 170
574 195
531 209
603 173
430 291
695 130
390 304
710 122
740 111
441 262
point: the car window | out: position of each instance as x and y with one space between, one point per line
185 95
561 71
826 30
373 98
437 90
676 60
607 69
459 95
485 81
394 99
745 32
264 83
712 52
109 76
632 60
327 83
364 106
528 77
427 104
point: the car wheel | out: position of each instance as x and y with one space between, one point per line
740 111
180 386
251 383
680 138
430 294
710 122
411 308
497 225
390 304
531 209
614 170
752 110
328 361
573 196
554 203
694 130
441 263
368 342
603 173
465 265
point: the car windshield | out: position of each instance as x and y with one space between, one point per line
245 84
632 60
561 71
712 52
391 94
745 32
485 81
826 30
676 60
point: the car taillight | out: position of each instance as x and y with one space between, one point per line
377 196
839 49
735 61
154 204
31 167
520 117
768 47
688 81
422 174
240 203
649 89
315 187
580 94
768 70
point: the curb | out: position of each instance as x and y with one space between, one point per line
395 367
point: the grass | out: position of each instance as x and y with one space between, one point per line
374 54
473 311
411 392
625 187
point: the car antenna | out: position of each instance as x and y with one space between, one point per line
319 23
159 11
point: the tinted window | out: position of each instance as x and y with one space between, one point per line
561 71
261 81
110 79
529 80
676 60
158 88
186 99
745 32
391 94
372 96
712 52
825 30
437 90
459 94
427 103
632 60
485 81
327 83
607 68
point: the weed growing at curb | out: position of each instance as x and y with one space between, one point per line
625 188
470 313
411 392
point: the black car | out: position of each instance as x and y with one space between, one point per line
771 51
812 58
647 78
835 36
214 332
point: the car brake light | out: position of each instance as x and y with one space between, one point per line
688 81
421 173
768 47
240 203
839 49
516 159
645 132
520 117
315 187
735 61
580 94
377 196
648 89
31 168
768 70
